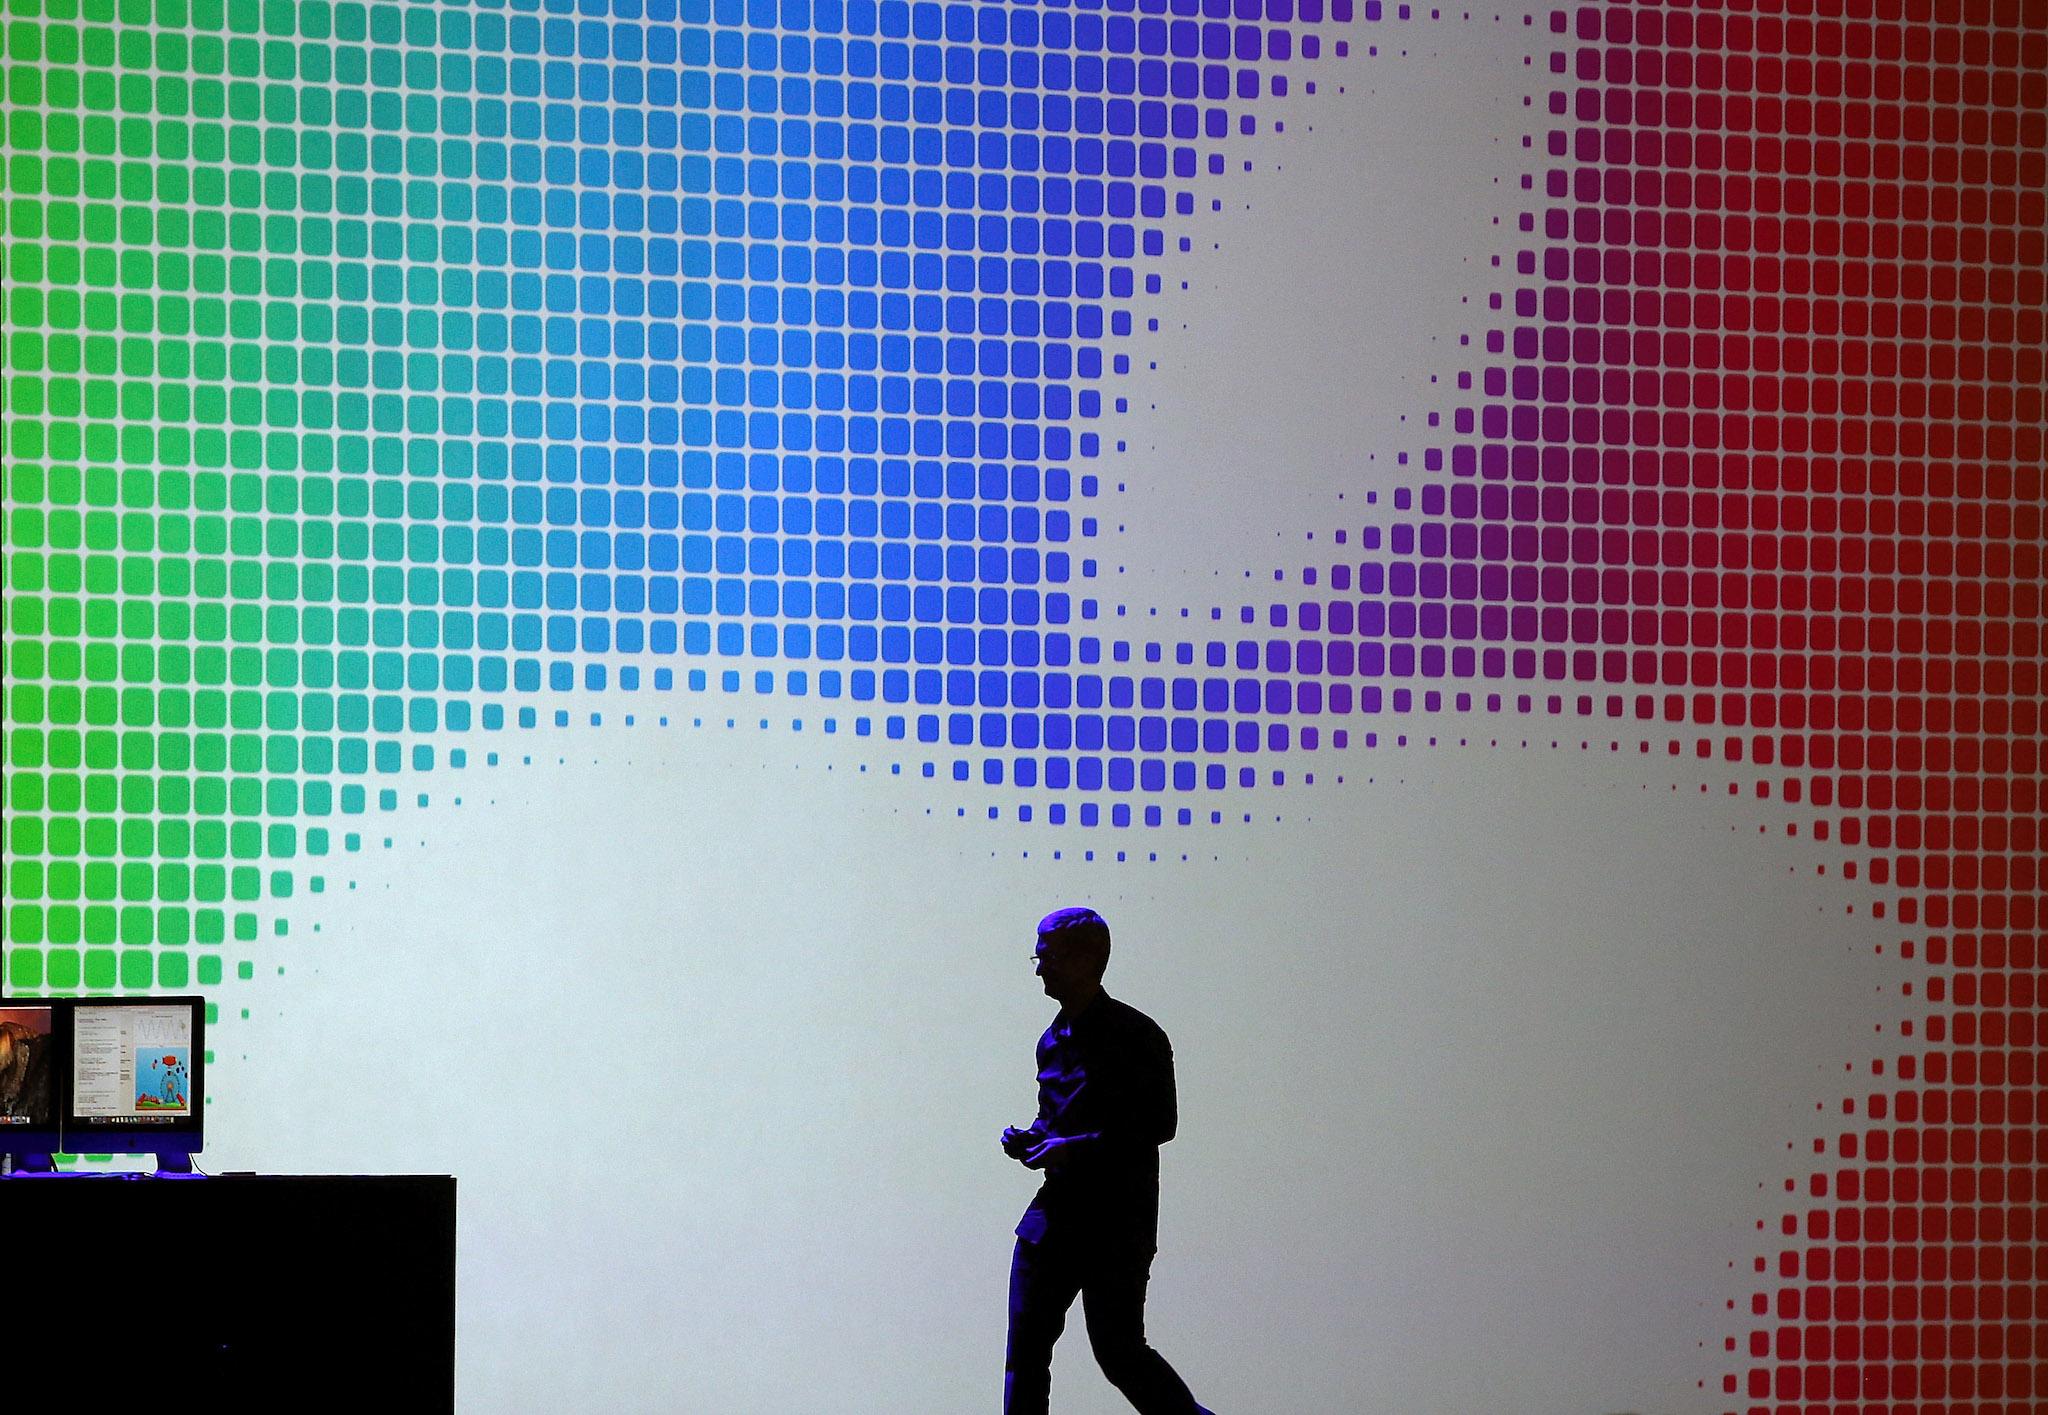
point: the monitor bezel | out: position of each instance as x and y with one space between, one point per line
183 1135
21 1141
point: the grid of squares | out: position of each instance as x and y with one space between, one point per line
371 366
1767 446
371 369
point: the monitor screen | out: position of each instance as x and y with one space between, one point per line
28 1078
137 1075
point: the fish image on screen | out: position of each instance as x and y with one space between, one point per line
163 1082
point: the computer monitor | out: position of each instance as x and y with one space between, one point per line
138 1078
31 1040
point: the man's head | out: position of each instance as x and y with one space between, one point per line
1072 952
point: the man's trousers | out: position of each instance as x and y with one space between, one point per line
1045 1277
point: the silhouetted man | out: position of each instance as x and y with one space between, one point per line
1105 1106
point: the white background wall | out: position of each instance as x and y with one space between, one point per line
1488 1066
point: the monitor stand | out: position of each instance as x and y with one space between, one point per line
174 1163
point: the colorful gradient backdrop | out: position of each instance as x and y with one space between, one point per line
378 376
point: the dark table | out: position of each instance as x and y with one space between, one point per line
237 1292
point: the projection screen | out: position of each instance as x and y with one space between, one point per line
586 571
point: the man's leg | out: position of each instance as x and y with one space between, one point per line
1113 1298
1043 1281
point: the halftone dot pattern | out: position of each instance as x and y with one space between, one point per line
1763 460
371 367
374 372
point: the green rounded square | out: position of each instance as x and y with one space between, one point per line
173 970
101 967
138 969
24 964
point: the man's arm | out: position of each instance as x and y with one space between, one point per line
1019 1144
1159 1101
1146 1113
1151 1110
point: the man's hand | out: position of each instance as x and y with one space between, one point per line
1018 1143
1053 1152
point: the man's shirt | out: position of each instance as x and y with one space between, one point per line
1105 1080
